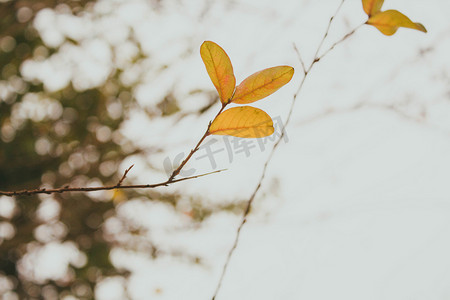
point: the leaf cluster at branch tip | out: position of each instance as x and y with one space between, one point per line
244 121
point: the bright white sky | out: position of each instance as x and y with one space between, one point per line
356 204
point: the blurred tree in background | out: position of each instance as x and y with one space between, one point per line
54 138
63 135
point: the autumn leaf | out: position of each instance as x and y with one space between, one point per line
262 84
219 68
244 122
389 21
372 7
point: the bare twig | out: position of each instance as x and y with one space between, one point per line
340 41
299 56
326 33
306 71
360 106
124 175
243 221
195 149
100 188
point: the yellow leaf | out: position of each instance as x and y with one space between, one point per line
244 122
390 20
372 7
219 69
262 84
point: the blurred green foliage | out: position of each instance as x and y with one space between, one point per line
66 148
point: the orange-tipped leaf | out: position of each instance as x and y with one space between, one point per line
219 68
262 84
244 122
389 21
372 7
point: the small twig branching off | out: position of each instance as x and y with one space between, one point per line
124 175
306 71
302 62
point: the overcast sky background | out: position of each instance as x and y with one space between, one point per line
356 204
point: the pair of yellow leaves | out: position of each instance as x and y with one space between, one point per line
387 21
244 121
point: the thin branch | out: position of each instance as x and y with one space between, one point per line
264 171
340 41
124 175
326 32
101 188
244 220
359 106
300 58
195 149
119 184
